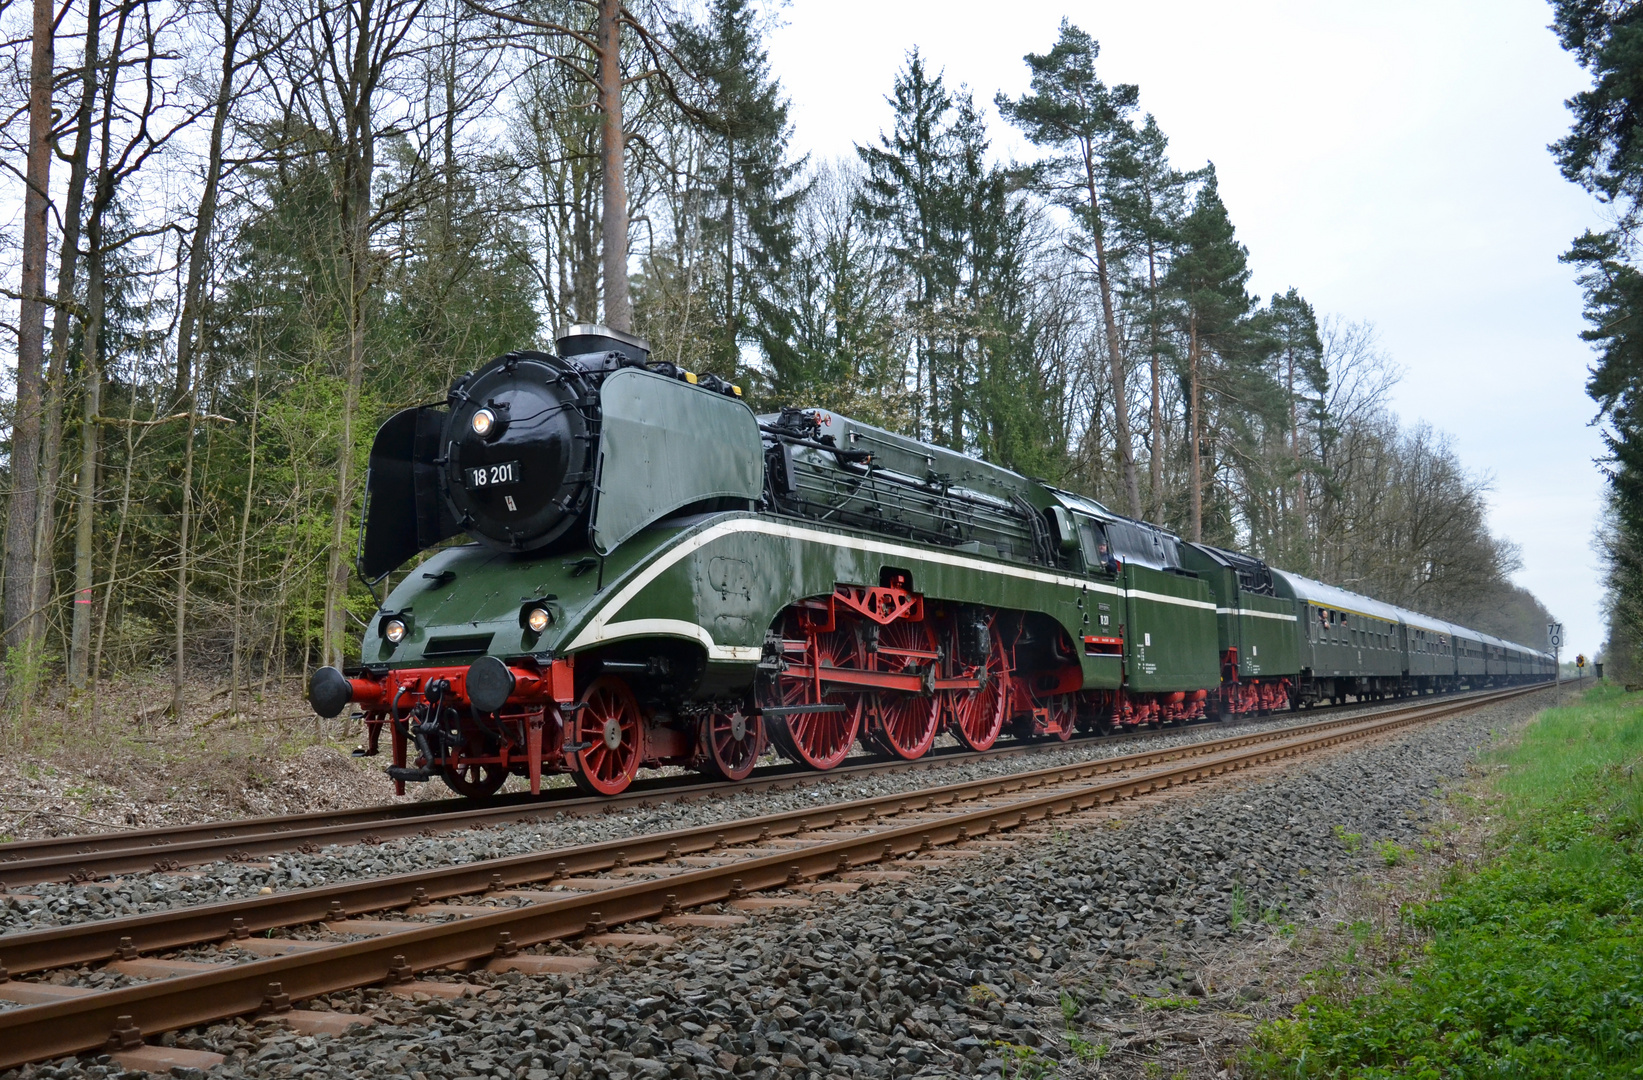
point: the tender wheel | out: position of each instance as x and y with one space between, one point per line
610 725
903 725
475 781
818 739
731 743
976 717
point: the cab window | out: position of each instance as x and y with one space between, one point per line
1092 538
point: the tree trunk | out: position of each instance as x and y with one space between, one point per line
1115 352
206 217
114 553
31 333
245 533
68 265
1155 463
183 529
732 330
79 654
1196 465
189 329
618 308
90 435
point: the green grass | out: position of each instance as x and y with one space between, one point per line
1534 966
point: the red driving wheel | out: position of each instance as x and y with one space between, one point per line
610 730
818 739
976 717
904 724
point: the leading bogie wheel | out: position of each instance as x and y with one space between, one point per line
901 724
818 739
731 743
610 730
474 781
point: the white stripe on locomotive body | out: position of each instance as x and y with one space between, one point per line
601 629
1252 613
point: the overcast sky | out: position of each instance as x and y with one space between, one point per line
1386 158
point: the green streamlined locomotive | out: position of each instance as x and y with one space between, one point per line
656 576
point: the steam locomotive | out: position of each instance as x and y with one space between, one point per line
653 575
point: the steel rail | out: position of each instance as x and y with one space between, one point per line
91 942
99 855
99 940
27 862
51 1030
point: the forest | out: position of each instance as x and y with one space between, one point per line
243 232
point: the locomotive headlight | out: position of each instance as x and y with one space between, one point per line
393 631
484 422
536 613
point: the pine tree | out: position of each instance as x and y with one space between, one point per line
744 193
1207 282
1603 152
1291 327
1148 200
826 323
905 196
1072 111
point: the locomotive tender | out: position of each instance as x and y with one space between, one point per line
656 576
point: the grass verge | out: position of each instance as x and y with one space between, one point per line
1533 962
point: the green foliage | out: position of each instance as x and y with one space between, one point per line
1086 1052
1023 1062
1168 1002
1392 853
743 198
925 285
1604 154
1534 967
963 239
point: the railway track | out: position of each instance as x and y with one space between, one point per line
92 856
566 894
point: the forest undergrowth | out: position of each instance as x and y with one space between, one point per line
67 767
1524 962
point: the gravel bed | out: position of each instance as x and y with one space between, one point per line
1056 956
49 904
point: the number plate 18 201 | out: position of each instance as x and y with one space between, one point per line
489 476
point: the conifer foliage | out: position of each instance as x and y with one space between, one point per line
1603 152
